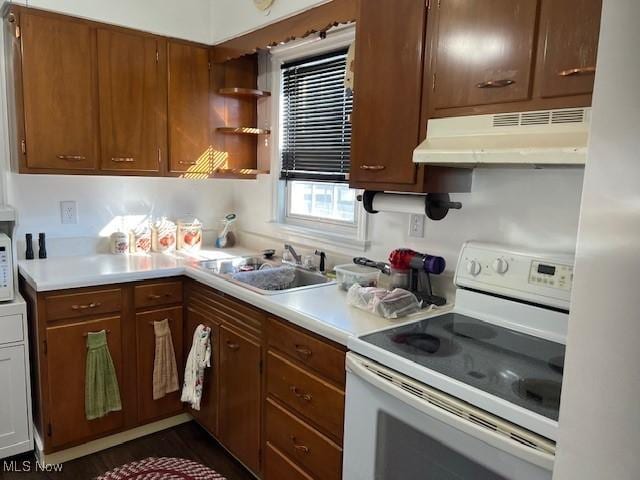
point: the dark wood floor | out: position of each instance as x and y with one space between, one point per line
184 441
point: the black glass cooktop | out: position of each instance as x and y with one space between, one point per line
516 367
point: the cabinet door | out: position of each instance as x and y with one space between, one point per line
60 93
148 408
66 365
14 417
207 416
387 92
189 136
133 105
483 52
240 395
568 46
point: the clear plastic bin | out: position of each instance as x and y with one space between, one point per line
351 274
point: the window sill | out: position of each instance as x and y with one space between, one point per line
315 238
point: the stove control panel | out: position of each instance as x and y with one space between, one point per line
542 278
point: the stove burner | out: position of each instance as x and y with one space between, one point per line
473 331
427 343
557 364
543 392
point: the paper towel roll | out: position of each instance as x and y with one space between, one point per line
394 202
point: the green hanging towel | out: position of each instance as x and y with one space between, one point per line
101 394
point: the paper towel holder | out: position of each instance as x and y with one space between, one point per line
436 205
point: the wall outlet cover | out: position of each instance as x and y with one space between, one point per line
68 212
416 226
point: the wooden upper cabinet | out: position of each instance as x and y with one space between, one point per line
483 52
387 91
568 46
60 93
132 85
189 126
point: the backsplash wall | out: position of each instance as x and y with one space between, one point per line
100 200
529 208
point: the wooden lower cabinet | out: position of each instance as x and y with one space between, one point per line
66 351
148 408
278 467
240 396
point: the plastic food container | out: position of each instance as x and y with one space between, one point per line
350 274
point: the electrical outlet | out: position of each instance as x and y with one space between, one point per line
416 226
68 212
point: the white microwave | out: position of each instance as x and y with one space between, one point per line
6 269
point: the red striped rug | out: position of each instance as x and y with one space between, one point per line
162 468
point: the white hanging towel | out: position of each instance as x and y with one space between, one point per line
199 358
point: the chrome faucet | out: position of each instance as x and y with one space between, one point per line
297 258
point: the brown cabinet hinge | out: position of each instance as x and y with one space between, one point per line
157 56
209 65
23 146
49 429
18 32
159 156
433 82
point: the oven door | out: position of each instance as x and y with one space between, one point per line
396 428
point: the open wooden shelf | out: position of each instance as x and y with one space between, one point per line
243 92
243 131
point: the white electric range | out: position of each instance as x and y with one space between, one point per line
473 392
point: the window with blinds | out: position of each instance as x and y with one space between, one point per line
316 136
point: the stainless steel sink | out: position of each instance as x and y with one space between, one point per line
230 268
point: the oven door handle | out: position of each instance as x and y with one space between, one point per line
360 367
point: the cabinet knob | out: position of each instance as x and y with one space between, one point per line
232 346
505 82
372 167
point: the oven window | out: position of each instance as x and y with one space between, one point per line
402 452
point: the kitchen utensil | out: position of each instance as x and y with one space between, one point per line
226 238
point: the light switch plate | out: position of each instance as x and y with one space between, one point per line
68 212
416 226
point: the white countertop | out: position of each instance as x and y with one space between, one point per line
322 310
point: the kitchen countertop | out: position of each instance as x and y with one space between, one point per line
322 310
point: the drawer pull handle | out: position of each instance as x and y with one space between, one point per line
570 72
372 167
75 158
87 334
299 447
496 83
86 307
123 159
307 397
233 346
153 296
182 162
304 351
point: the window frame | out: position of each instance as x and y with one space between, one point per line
333 232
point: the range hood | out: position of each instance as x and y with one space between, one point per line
538 138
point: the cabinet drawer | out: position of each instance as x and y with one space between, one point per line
303 443
155 294
11 329
74 305
325 359
307 394
279 467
